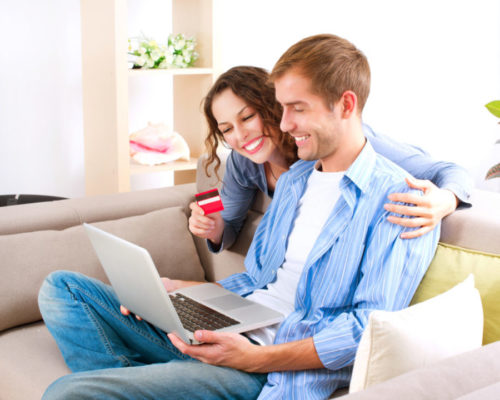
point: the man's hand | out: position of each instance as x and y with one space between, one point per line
209 227
235 351
428 210
222 349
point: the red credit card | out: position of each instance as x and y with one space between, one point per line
209 201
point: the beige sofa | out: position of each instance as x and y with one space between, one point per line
36 239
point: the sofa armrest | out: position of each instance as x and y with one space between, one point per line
448 379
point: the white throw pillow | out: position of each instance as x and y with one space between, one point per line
396 342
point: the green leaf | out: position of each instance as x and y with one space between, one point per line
493 172
494 108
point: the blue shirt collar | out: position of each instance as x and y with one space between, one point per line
361 170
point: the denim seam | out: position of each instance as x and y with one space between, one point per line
122 320
104 338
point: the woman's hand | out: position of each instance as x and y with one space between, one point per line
428 210
209 227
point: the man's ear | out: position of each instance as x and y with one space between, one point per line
349 102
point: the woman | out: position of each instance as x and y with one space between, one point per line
242 112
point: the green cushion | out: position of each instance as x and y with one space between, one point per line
450 266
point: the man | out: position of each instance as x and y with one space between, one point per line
324 254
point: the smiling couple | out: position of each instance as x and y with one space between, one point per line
326 253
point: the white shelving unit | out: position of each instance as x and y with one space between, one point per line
105 81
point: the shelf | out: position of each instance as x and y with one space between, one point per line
106 80
179 165
172 71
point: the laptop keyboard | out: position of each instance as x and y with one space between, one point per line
194 315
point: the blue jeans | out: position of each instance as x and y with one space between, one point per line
117 356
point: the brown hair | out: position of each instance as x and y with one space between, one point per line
333 64
253 86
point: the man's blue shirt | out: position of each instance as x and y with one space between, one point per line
358 264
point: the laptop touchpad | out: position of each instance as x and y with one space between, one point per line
229 302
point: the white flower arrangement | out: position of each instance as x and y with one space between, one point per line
178 52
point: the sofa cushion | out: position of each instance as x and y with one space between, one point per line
396 342
453 264
32 256
31 361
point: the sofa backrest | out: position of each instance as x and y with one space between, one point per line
63 214
476 227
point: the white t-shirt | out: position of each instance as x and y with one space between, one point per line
316 204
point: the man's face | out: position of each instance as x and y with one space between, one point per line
314 126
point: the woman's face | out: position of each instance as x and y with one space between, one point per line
242 127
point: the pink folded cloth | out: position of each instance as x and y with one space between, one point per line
156 144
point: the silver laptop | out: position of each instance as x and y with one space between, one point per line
137 284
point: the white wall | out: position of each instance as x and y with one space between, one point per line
41 134
434 66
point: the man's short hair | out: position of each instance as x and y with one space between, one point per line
333 64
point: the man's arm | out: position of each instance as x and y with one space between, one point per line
235 351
